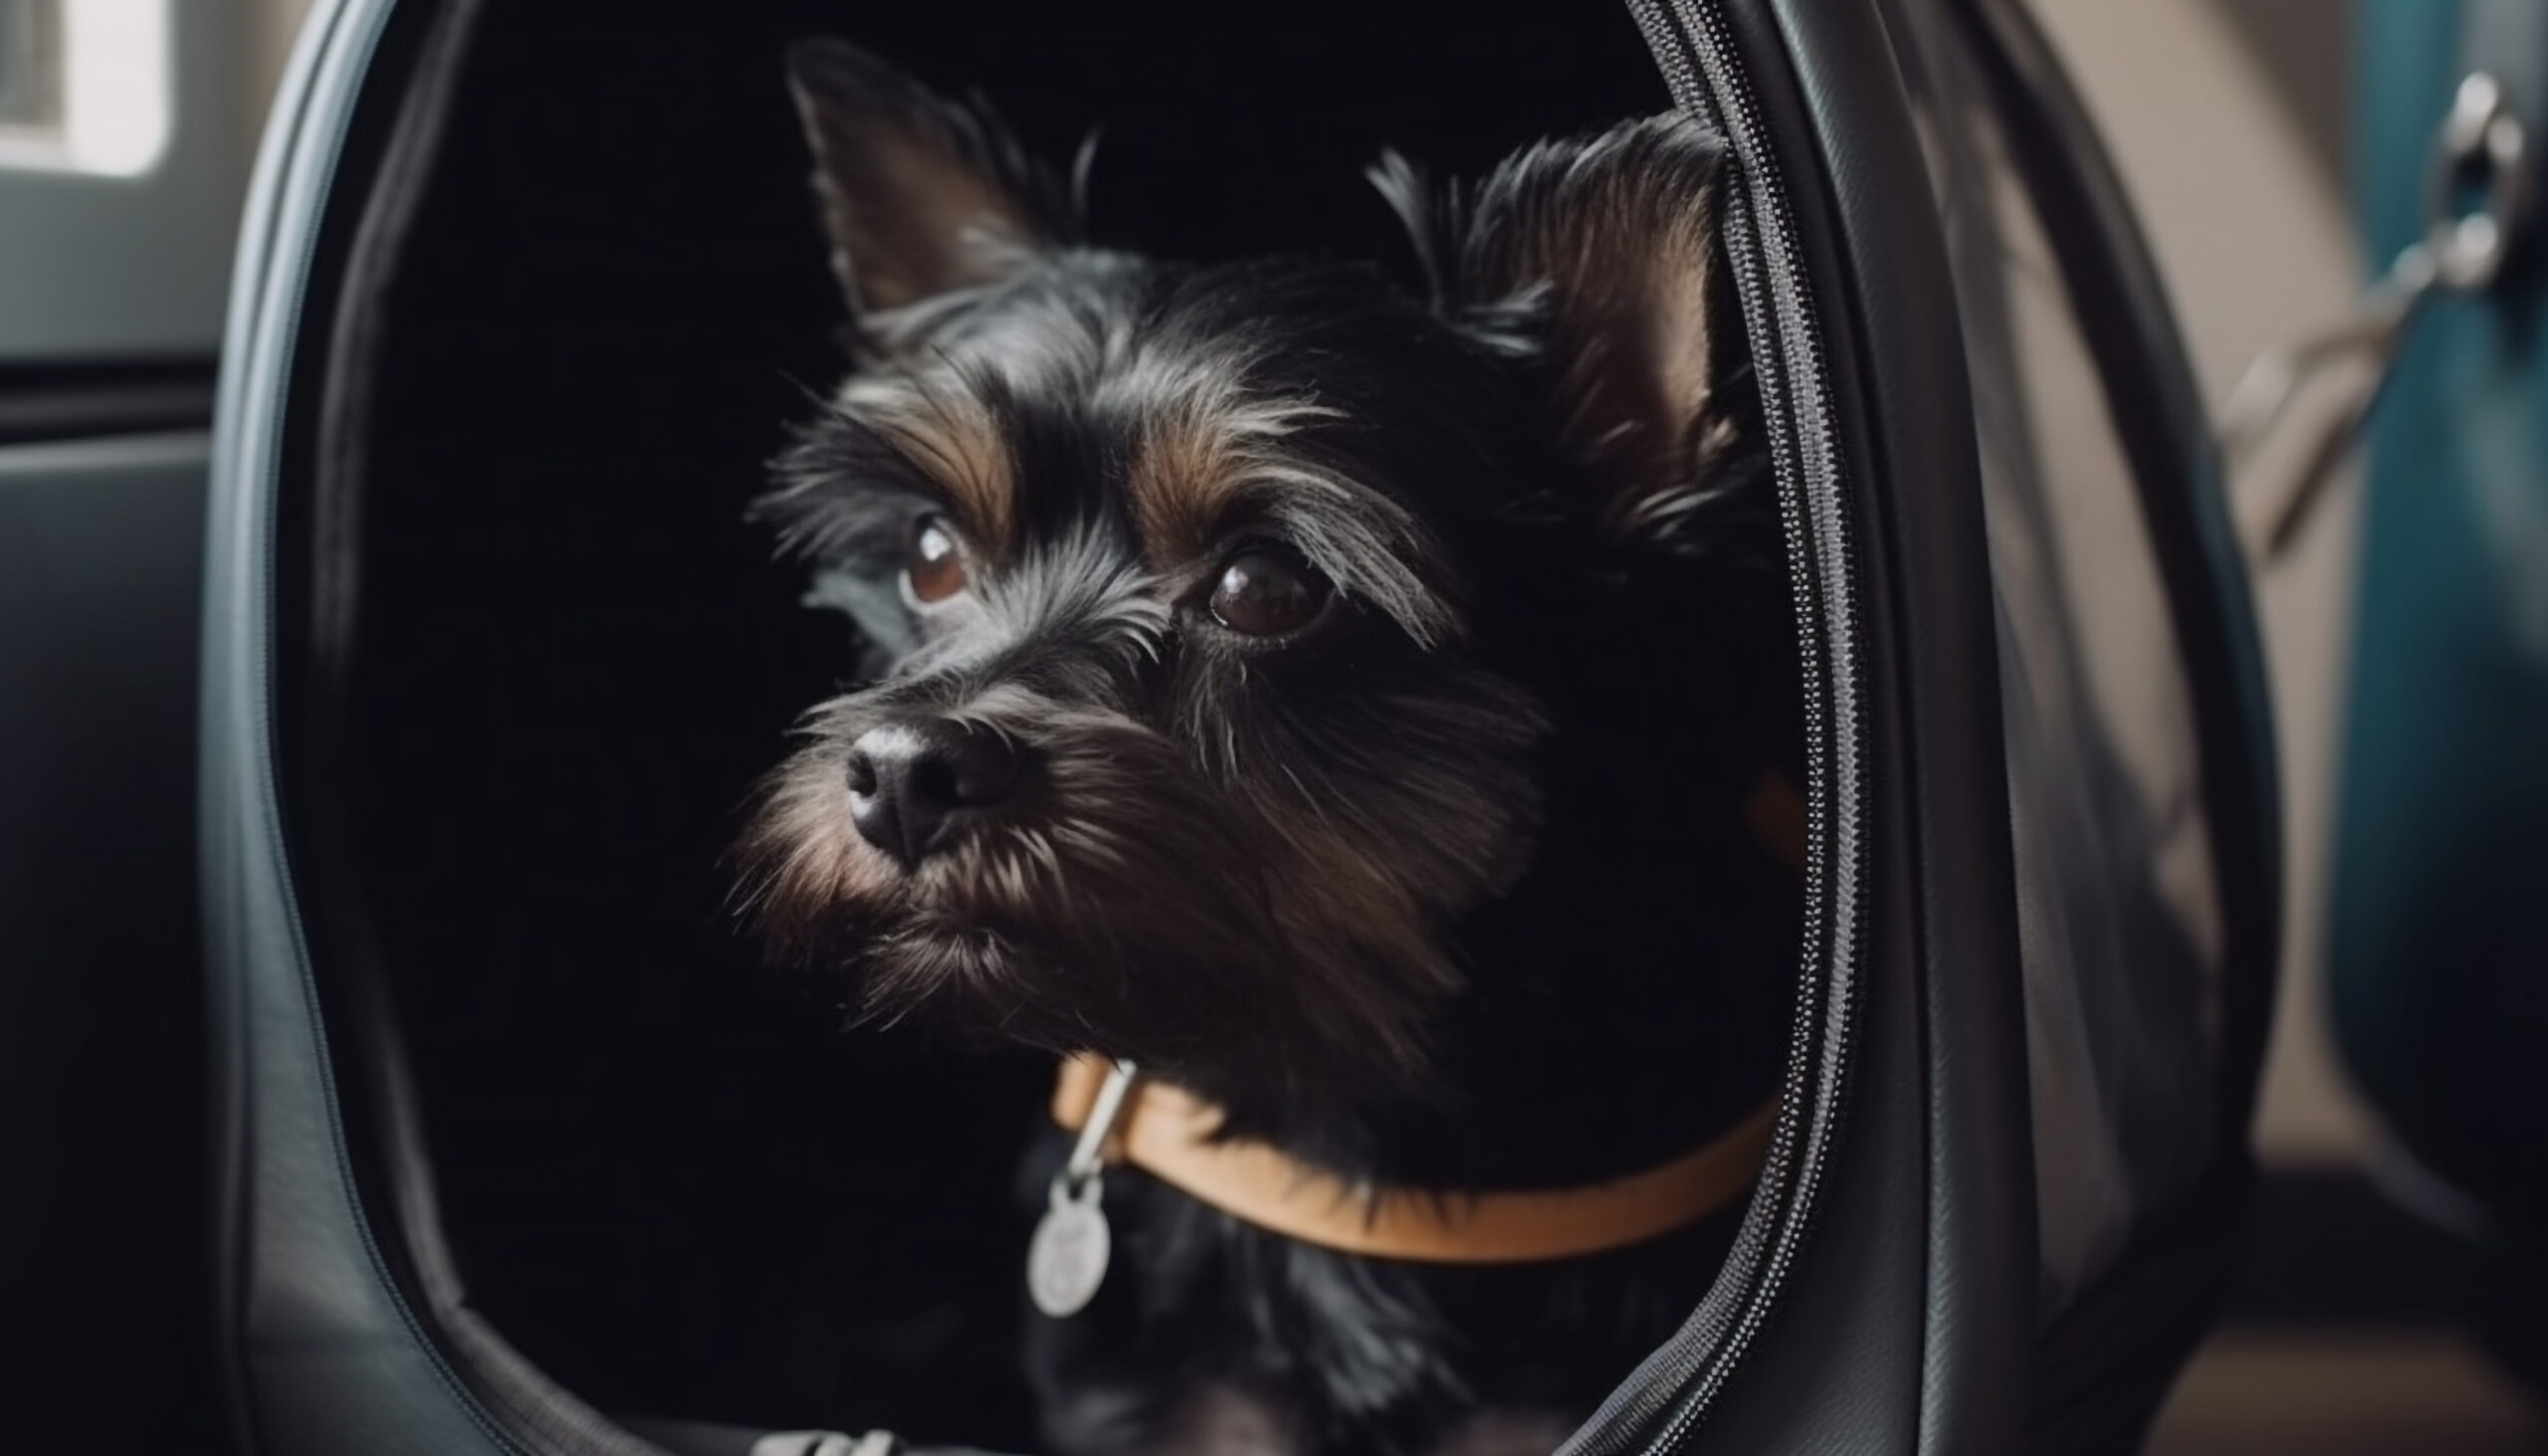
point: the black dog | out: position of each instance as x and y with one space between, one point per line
1352 708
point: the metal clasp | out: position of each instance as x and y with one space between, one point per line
1088 1154
2481 156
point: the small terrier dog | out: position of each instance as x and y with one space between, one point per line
1350 704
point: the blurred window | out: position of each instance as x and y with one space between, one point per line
83 84
123 152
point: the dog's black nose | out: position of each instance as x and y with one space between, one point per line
913 784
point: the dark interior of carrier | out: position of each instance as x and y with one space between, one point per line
552 655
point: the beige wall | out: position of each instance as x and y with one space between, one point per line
271 26
2226 124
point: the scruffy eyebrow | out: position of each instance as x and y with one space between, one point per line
843 491
1361 540
949 426
1209 457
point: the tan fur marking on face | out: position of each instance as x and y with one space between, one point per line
951 435
1184 477
1209 452
1193 461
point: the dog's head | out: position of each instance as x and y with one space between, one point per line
1213 613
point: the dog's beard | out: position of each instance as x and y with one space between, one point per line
1135 904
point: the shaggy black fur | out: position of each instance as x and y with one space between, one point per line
1447 882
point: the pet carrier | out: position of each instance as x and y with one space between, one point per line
520 1151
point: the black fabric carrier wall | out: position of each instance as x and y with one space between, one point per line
527 293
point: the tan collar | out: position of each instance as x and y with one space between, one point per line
1169 1134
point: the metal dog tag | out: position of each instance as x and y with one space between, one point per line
1067 1260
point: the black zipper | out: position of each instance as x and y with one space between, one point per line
1673 1392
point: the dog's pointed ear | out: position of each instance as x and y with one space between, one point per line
922 196
1612 243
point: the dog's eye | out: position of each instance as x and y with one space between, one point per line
933 569
1265 594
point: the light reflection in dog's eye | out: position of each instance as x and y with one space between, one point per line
1265 594
935 570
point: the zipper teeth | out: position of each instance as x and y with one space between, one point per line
1698 60
1774 228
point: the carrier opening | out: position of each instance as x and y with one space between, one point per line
543 657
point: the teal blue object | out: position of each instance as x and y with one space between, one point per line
2438 922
